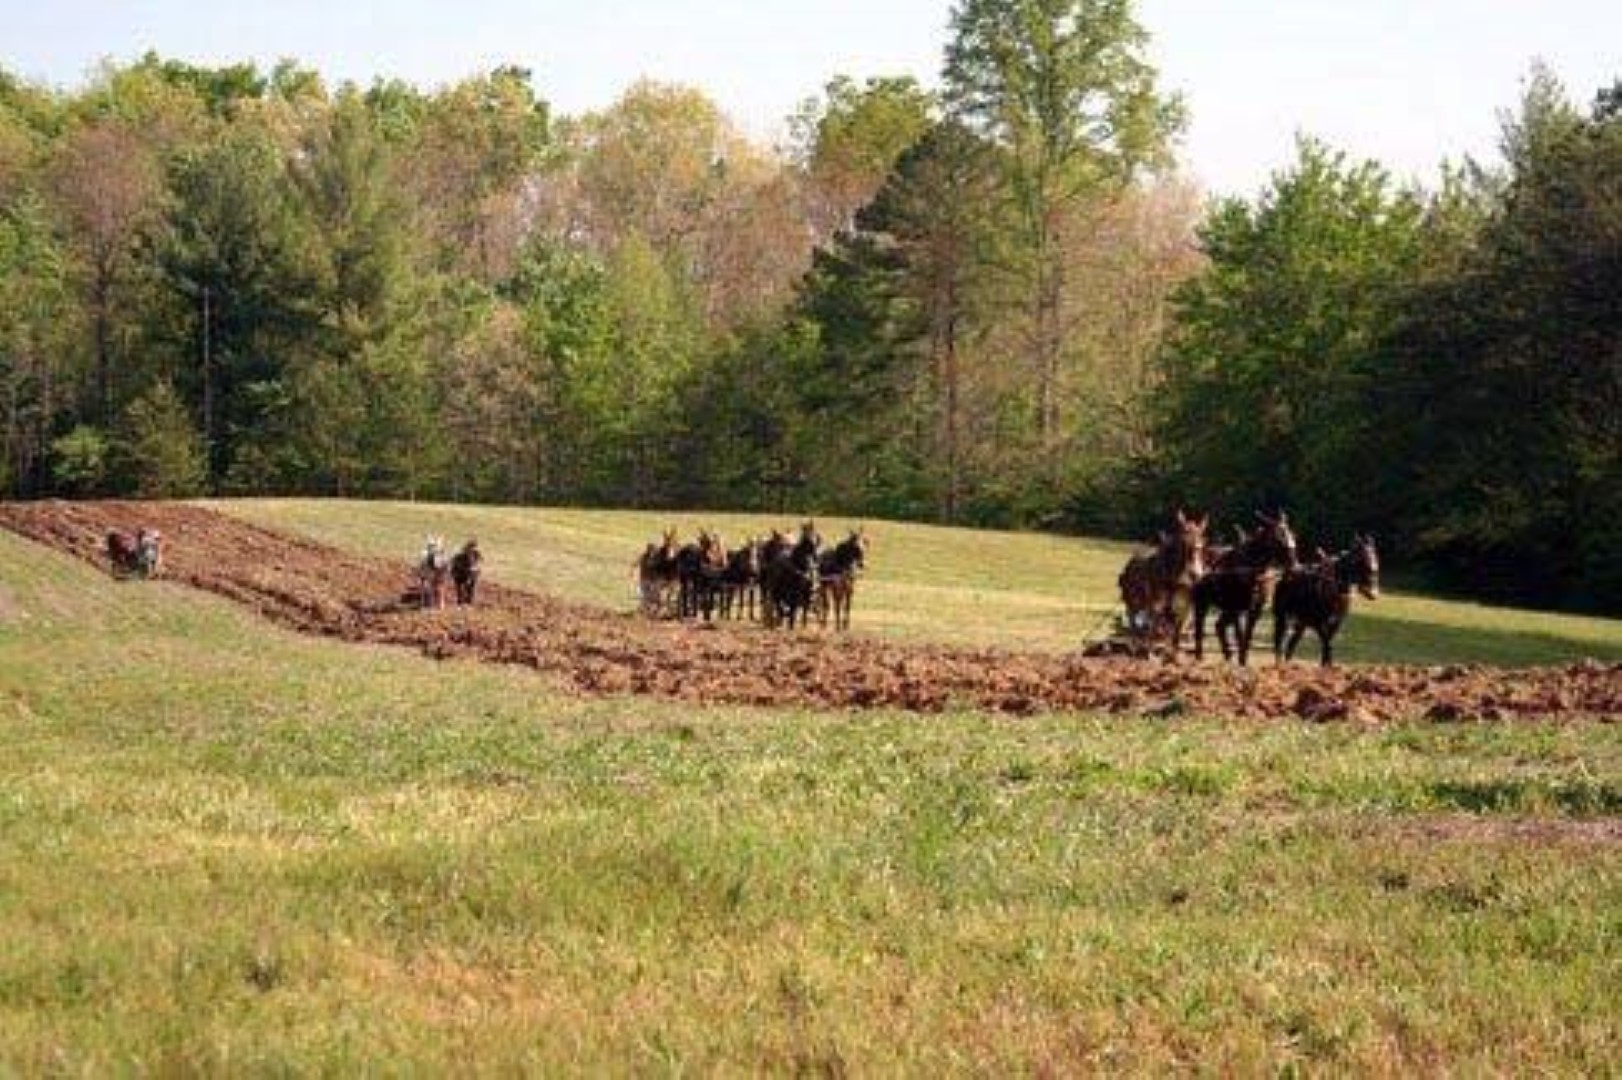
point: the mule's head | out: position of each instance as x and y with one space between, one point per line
710 547
668 544
810 541
1274 540
859 545
1185 546
149 546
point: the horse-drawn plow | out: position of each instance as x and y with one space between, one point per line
312 588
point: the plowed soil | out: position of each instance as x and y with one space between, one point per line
319 590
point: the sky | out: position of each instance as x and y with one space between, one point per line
1408 82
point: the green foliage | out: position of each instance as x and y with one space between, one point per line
1444 371
158 453
1512 373
240 256
220 89
33 308
1063 89
1271 354
1064 86
79 460
848 141
952 305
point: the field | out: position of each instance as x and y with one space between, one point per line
228 847
932 584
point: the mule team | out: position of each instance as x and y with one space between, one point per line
438 571
781 579
784 580
1185 576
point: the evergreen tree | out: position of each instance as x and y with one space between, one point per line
159 454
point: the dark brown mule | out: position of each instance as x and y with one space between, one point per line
699 568
788 583
466 566
1319 597
837 571
1240 585
740 581
657 574
1157 586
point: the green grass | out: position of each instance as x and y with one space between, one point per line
926 583
227 849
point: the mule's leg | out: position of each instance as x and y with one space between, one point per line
1278 637
1201 612
1327 636
1247 634
1295 640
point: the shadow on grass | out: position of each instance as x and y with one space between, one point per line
1369 638
1575 798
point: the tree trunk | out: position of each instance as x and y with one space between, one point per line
47 413
102 317
1049 345
209 450
947 368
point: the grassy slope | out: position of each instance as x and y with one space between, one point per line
926 583
225 848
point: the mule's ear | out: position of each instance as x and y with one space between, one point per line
1182 517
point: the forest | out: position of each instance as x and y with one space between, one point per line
1000 302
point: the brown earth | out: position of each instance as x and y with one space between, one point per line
320 590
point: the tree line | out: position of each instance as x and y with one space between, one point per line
997 303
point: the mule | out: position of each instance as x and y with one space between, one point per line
139 556
1157 586
657 574
740 582
1319 597
433 574
1241 583
788 584
699 567
466 566
837 571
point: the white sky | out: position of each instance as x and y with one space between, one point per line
1406 81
